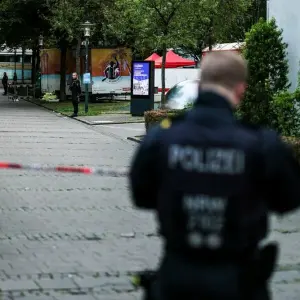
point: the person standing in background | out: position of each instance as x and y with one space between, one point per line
5 83
75 88
15 78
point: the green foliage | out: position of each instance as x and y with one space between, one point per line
153 117
189 106
295 145
65 19
21 22
285 105
267 101
48 97
233 29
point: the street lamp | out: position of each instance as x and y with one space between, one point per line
15 56
86 77
41 44
41 41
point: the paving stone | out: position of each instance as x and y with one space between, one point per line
62 283
120 283
17 285
286 277
31 297
73 297
131 296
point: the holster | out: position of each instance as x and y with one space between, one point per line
145 280
259 269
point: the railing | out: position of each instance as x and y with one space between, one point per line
21 91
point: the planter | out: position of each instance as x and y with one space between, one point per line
49 100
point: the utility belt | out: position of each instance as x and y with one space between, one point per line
256 271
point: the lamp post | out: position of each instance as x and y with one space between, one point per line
15 56
87 33
41 44
41 41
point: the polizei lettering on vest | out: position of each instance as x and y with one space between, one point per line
211 160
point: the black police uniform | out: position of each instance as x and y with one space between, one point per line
75 88
213 181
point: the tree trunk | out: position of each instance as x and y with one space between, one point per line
38 60
78 52
33 66
163 76
23 63
210 34
63 65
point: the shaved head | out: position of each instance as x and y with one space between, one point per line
226 69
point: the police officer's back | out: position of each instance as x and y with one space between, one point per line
213 182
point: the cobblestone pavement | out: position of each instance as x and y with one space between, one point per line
67 236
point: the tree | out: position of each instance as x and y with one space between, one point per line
236 12
17 28
57 20
66 18
215 21
152 24
155 25
265 52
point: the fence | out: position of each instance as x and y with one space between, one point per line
22 92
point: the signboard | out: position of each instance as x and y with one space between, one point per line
111 70
142 87
87 78
141 79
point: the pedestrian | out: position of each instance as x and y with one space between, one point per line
15 78
213 181
75 88
5 83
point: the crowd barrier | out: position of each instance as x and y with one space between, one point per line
21 91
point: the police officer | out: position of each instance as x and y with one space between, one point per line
75 88
213 182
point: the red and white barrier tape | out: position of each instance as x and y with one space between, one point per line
65 169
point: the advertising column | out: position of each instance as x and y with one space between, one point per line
142 87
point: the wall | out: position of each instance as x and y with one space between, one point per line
286 13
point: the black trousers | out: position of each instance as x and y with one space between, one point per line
5 88
75 106
180 279
159 293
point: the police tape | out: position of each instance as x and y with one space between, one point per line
65 169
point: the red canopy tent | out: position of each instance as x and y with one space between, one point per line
174 61
153 57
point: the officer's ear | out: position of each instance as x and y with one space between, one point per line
240 90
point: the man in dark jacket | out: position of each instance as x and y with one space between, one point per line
213 182
75 88
5 83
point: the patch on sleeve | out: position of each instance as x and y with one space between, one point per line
165 123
